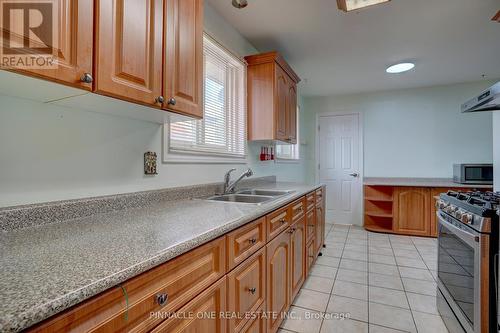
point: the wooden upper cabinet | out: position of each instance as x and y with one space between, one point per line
183 64
281 106
129 50
272 98
278 280
74 45
412 210
292 112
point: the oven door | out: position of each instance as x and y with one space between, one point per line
459 271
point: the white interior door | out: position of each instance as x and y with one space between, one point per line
339 167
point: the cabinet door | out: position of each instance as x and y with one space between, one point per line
318 238
278 280
281 104
183 68
412 211
129 49
202 314
298 256
74 45
310 225
246 290
310 256
292 112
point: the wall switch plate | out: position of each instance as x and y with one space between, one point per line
150 163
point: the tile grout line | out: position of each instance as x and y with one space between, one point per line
406 295
334 279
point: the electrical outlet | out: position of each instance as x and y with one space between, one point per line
150 163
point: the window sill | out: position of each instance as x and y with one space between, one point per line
287 161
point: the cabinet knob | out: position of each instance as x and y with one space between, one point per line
172 101
87 78
253 240
282 220
160 99
252 290
161 299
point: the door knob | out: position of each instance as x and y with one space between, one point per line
172 101
160 99
354 174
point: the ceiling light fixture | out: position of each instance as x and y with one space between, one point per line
348 5
240 3
400 68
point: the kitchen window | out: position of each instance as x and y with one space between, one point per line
289 153
221 135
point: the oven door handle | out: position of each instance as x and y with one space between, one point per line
468 237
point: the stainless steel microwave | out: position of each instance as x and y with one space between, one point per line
473 173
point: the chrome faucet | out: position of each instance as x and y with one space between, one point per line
229 187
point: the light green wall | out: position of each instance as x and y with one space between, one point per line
416 132
51 153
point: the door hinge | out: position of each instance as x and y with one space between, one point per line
319 166
319 127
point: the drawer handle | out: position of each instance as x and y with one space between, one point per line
299 209
162 299
252 290
283 220
253 240
292 230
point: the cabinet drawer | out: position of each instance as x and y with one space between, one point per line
319 196
310 224
257 323
278 221
243 242
310 200
202 314
246 289
298 209
180 280
310 254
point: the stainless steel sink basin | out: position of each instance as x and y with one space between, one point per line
242 198
271 193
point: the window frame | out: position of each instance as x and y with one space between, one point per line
177 155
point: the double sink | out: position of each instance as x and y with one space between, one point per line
253 196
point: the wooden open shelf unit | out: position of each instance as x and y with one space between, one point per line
378 208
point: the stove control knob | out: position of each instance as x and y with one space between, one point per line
450 209
467 218
458 214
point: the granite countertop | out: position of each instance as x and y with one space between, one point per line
49 268
421 182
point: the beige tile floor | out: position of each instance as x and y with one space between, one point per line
369 282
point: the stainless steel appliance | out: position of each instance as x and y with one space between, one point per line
473 173
468 234
488 100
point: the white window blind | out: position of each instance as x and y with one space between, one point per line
290 152
222 131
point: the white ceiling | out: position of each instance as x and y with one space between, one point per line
450 41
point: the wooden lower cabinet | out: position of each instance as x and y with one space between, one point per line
246 290
298 256
244 281
202 314
257 324
310 255
278 280
412 208
318 238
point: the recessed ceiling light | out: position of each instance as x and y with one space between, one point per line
400 68
348 5
240 3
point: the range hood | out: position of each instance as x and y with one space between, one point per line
488 100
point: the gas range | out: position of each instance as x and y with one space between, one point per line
478 210
468 237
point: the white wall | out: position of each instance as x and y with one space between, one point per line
53 153
496 150
417 132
